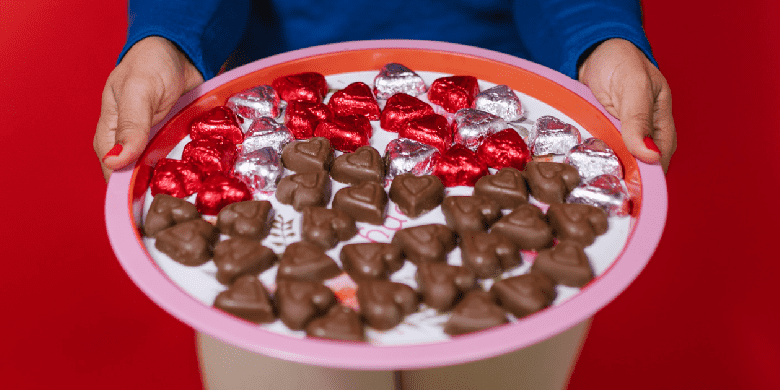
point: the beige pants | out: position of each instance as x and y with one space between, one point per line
546 365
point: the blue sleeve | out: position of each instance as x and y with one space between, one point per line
207 31
558 32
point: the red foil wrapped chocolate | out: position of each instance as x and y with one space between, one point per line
308 87
355 99
217 124
302 118
345 133
431 129
401 108
454 92
175 178
504 149
218 191
459 166
210 155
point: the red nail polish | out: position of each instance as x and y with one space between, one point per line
115 151
651 145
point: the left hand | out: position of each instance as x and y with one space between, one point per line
633 90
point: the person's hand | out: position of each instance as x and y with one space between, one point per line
633 90
139 92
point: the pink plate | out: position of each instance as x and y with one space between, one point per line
646 183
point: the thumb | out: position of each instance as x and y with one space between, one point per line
636 120
134 102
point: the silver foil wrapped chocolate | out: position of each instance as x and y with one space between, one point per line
394 78
265 132
254 103
593 158
604 191
403 155
500 101
259 169
550 135
472 126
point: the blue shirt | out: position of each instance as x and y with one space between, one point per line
554 33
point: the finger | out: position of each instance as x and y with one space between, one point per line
134 102
635 111
104 139
665 134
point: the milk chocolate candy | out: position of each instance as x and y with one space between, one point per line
326 227
371 260
364 202
189 243
416 195
442 285
300 301
470 213
425 243
527 227
476 312
524 294
550 182
507 187
166 211
340 323
241 256
305 260
566 263
250 218
311 155
304 189
364 164
246 298
577 222
384 304
488 254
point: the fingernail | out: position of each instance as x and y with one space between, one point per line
651 145
115 151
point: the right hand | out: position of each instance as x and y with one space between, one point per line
139 93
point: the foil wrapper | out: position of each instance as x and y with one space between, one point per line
210 155
307 86
346 133
550 135
471 127
454 92
217 124
431 129
400 108
459 166
504 149
260 169
254 103
404 155
175 178
594 158
396 78
218 191
302 118
500 101
606 192
355 99
267 133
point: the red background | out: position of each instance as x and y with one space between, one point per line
702 315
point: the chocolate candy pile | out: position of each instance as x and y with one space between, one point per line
282 140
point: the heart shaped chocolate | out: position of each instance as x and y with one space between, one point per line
471 127
394 79
166 211
355 99
365 202
300 301
364 164
217 124
593 157
311 155
407 156
477 311
566 263
442 285
470 213
550 135
454 92
505 148
459 166
524 294
189 243
302 118
425 243
384 304
488 254
304 189
326 227
210 155
218 191
416 195
251 218
246 298
340 323
239 256
306 86
501 101
401 108
175 178
550 182
507 187
346 133
254 103
431 130
305 260
605 192
527 227
371 260
577 222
